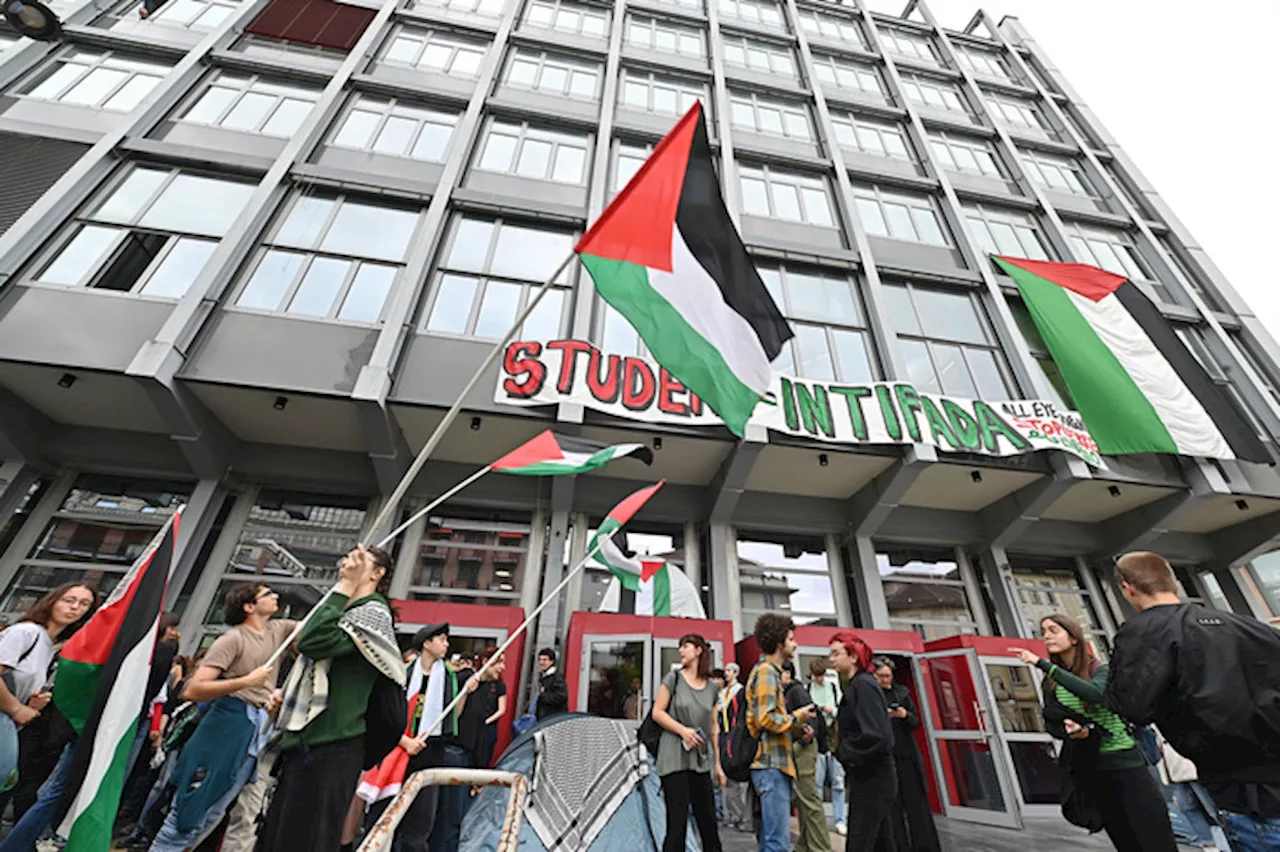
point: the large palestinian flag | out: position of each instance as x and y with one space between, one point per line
1138 387
663 589
102 678
667 256
550 454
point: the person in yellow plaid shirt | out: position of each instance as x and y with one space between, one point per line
774 770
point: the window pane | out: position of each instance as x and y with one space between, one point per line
900 226
220 202
58 80
986 373
368 231
851 352
395 136
821 298
529 253
127 200
306 220
210 105
91 90
522 73
433 142
132 93
498 310
815 358
535 157
287 118
368 293
948 315
453 304
755 197
582 84
404 49
786 201
901 312
952 370
270 280
570 162
816 208
249 112
544 322
319 287
81 255
872 218
357 130
471 245
927 226
919 368
498 153
179 268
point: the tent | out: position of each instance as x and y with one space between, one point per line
624 830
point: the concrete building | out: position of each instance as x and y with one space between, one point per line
250 252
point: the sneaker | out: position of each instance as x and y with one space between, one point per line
842 829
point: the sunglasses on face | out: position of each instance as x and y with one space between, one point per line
266 593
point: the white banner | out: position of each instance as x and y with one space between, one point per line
546 373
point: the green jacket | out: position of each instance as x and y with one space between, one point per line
1084 697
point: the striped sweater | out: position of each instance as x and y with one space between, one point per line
1084 697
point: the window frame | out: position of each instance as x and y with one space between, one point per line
922 82
435 36
683 87
860 71
654 24
793 355
526 131
91 61
974 146
1037 164
893 38
965 58
545 58
748 99
770 175
1016 221
1001 105
733 9
775 52
385 112
876 194
815 18
244 87
584 11
840 119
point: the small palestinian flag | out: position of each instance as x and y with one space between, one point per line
666 255
651 586
550 454
630 572
1137 386
102 678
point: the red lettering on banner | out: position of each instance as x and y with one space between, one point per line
604 389
695 404
668 386
569 352
638 385
521 360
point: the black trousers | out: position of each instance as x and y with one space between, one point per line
1134 813
312 797
433 822
913 828
871 792
680 791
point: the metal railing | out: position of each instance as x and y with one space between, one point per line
379 837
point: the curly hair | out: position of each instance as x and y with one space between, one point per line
771 631
234 603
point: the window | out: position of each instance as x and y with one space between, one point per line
964 154
836 27
909 45
776 193
331 258
752 11
482 560
103 80
627 162
847 75
1264 377
898 215
945 339
529 152
1113 250
1046 587
657 93
1056 172
189 14
792 578
657 34
1266 573
1190 279
395 128
490 269
759 114
102 526
1018 113
975 60
566 17
1060 394
758 56
692 5
830 343
252 104
1122 185
7 40
928 92
145 236
484 8
441 51
1007 232
554 75
877 138
925 592
1220 370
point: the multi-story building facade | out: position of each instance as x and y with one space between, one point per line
250 251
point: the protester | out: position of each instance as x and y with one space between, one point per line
717 681
1102 755
553 692
911 818
490 701
774 770
813 835
864 747
1210 680
348 643
1191 811
825 693
737 811
688 760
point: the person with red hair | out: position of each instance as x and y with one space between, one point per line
865 747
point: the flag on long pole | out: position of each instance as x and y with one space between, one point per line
102 678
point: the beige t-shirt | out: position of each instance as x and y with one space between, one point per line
241 650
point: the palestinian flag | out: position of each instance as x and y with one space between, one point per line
102 678
663 589
550 454
1137 386
628 572
666 255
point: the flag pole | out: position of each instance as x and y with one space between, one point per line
434 503
384 514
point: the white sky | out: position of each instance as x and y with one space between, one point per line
1189 91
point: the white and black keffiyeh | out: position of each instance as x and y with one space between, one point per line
583 771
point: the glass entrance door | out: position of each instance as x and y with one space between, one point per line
1020 727
667 657
973 773
616 676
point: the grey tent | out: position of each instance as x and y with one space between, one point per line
626 828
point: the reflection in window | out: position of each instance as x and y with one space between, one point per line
144 236
395 128
489 270
103 80
946 342
791 578
531 152
830 343
252 104
1266 573
472 558
442 51
925 593
777 193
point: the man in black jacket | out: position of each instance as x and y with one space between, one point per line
1210 680
553 692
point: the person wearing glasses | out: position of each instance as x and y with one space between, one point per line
222 755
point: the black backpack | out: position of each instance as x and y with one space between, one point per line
737 747
386 717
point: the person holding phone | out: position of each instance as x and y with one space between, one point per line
685 710
912 820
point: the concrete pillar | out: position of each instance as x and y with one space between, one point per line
578 528
726 586
839 583
198 519
202 597
873 609
995 568
973 592
16 480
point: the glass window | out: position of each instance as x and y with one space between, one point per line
847 74
977 60
1047 587
946 341
481 560
1005 232
550 74
752 11
1056 172
771 192
760 114
762 56
1059 393
877 138
836 27
395 128
100 79
484 8
568 17
899 215
1220 370
440 51
660 94
910 45
925 592
531 152
930 92
252 104
489 271
965 154
789 577
1110 249
332 258
1018 113
831 342
1266 573
659 34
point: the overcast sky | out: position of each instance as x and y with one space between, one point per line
1189 90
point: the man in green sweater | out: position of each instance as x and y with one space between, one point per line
346 646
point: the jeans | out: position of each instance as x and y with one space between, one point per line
828 765
773 786
24 835
8 747
170 839
150 817
1246 833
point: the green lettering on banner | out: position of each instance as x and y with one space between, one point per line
815 409
890 413
964 424
938 424
993 427
789 407
853 398
909 402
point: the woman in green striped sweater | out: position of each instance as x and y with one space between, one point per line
1104 757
